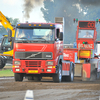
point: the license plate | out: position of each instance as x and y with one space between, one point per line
32 71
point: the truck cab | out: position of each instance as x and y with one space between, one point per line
38 50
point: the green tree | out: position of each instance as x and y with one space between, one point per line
12 21
2 31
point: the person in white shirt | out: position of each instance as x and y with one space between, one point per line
87 35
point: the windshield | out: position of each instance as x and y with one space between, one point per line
86 34
35 34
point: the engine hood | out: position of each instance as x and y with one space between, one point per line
33 51
33 47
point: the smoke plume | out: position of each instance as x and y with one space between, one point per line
29 5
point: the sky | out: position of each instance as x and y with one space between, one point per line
15 8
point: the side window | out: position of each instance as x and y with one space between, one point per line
5 42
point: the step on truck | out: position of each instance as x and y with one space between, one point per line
38 52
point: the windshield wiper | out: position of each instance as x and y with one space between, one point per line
41 39
23 40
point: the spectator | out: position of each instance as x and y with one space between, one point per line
87 35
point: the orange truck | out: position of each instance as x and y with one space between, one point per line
38 52
84 54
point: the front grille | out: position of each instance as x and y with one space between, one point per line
33 55
33 63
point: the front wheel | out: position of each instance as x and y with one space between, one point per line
70 78
58 77
18 77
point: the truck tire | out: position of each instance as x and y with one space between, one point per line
64 78
1 63
70 78
58 77
37 78
18 77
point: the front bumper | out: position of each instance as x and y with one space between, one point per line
34 70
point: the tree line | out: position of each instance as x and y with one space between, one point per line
13 22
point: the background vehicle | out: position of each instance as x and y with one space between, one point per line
6 52
86 65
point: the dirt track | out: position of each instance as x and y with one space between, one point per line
48 90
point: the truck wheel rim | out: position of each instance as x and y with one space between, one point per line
72 76
59 74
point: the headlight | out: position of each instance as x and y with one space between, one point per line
49 67
49 62
16 66
17 69
17 62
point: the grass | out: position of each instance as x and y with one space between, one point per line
5 73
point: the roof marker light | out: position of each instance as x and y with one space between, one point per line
29 24
18 24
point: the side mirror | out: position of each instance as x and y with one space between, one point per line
57 33
9 36
61 36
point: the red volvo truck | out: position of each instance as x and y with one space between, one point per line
84 53
38 51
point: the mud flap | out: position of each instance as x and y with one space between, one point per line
89 72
